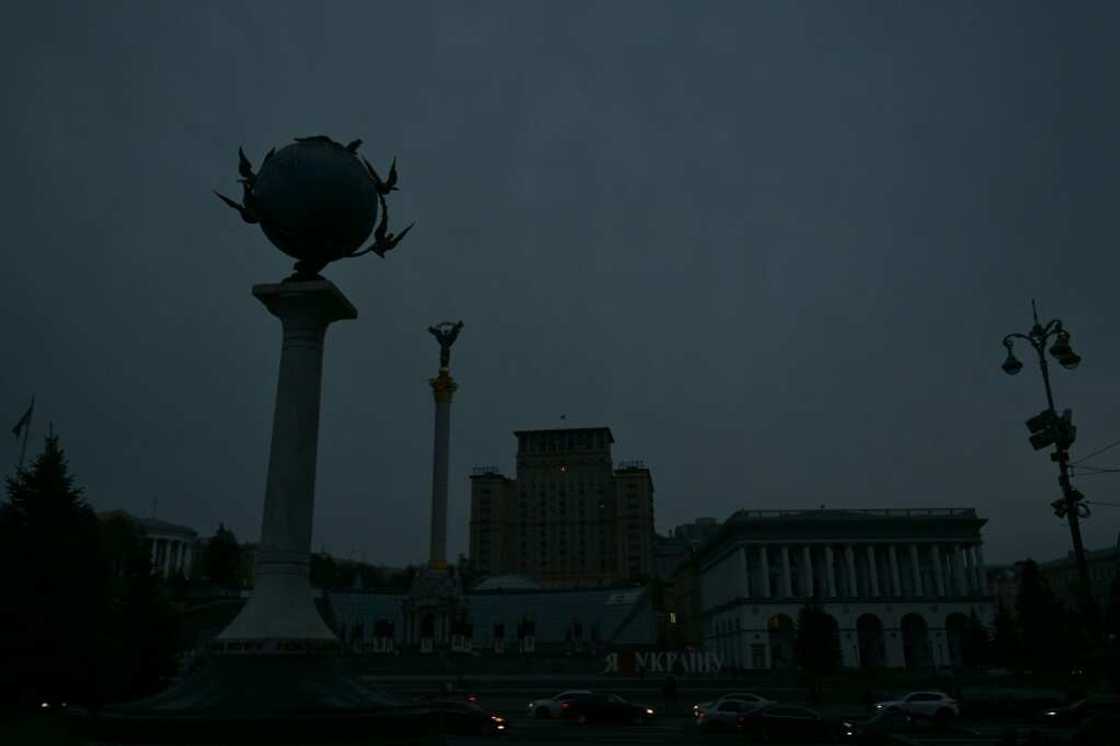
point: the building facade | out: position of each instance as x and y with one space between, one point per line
570 517
1062 577
900 584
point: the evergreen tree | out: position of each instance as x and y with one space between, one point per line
223 559
55 582
975 643
1005 639
1043 626
817 646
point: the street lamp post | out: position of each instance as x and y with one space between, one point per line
1050 428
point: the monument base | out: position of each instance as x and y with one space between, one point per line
270 698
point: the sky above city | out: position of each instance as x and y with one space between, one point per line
774 246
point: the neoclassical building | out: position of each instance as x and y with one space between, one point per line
900 584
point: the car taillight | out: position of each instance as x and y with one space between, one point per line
565 705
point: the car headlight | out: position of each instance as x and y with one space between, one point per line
1050 713
649 711
878 707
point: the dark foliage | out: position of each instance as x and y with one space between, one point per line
84 620
223 559
817 647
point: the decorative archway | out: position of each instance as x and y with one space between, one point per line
956 629
915 642
782 637
872 644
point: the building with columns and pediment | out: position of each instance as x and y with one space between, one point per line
900 584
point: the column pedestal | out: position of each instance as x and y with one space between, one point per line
273 675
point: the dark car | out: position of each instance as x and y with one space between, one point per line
1102 729
786 724
460 718
877 730
605 708
1078 711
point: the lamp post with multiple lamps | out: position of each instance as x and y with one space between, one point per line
1049 428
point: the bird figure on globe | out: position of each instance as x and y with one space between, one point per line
317 201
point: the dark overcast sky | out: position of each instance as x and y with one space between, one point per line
773 246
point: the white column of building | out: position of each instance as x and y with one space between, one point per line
874 571
787 576
807 571
981 575
958 569
187 562
744 576
764 570
830 571
970 568
938 569
153 561
916 567
896 578
850 556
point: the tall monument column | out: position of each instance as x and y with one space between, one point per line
443 389
281 607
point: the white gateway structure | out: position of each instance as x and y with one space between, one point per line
900 584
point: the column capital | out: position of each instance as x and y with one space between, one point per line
443 386
318 300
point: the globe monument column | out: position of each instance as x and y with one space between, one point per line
274 672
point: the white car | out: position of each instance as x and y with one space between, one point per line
936 705
749 697
552 707
724 713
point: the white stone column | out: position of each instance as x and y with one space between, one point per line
187 562
916 568
281 607
153 561
850 557
787 575
981 573
969 568
807 571
938 569
958 569
874 571
764 570
830 571
744 576
896 577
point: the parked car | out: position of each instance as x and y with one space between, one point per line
1078 711
878 729
742 696
461 718
777 723
934 705
605 708
552 707
723 714
1099 730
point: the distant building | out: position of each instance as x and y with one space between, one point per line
570 518
900 584
670 551
1003 580
698 532
1062 577
171 545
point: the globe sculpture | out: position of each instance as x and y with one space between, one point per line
318 201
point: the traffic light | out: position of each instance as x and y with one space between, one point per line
1047 428
1042 428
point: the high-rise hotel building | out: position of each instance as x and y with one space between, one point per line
570 517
